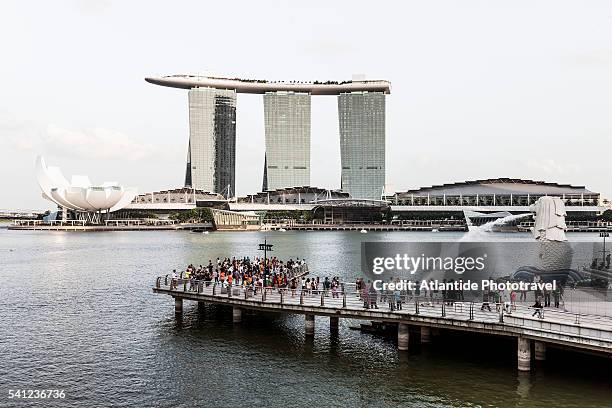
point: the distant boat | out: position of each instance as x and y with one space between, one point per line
434 230
363 231
282 230
205 232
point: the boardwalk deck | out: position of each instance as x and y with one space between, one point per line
582 332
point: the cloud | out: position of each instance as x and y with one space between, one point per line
100 143
95 143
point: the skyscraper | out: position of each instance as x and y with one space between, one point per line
362 143
211 159
287 130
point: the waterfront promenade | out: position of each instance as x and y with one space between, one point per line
589 333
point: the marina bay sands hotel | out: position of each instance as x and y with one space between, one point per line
211 158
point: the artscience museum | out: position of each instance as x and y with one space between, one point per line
78 198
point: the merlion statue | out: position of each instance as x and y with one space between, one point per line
549 219
553 252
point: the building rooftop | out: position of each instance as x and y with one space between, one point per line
498 186
261 86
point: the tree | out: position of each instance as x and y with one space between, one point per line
195 215
606 216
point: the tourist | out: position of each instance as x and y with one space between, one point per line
174 280
556 296
397 294
513 299
507 302
546 298
373 296
335 285
485 300
293 287
365 296
538 308
523 295
497 300
326 286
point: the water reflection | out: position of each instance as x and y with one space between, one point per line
81 305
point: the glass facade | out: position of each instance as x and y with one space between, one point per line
287 130
212 140
362 143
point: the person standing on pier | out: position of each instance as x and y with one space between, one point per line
523 295
397 294
326 286
485 300
373 296
556 296
513 300
174 280
546 298
365 295
293 287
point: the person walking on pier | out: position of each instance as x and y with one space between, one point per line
538 308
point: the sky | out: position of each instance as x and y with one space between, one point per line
479 89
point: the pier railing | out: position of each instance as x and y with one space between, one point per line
345 297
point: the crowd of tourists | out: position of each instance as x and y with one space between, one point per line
247 272
275 274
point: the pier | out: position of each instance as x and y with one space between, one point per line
580 332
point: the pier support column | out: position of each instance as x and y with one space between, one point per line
309 324
236 314
334 322
178 305
425 334
524 354
540 350
403 335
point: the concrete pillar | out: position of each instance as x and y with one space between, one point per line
178 305
236 314
334 323
310 324
540 350
403 335
425 334
524 354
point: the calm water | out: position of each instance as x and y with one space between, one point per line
77 313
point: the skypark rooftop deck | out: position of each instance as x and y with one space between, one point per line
260 86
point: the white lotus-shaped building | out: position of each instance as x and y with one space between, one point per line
79 194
